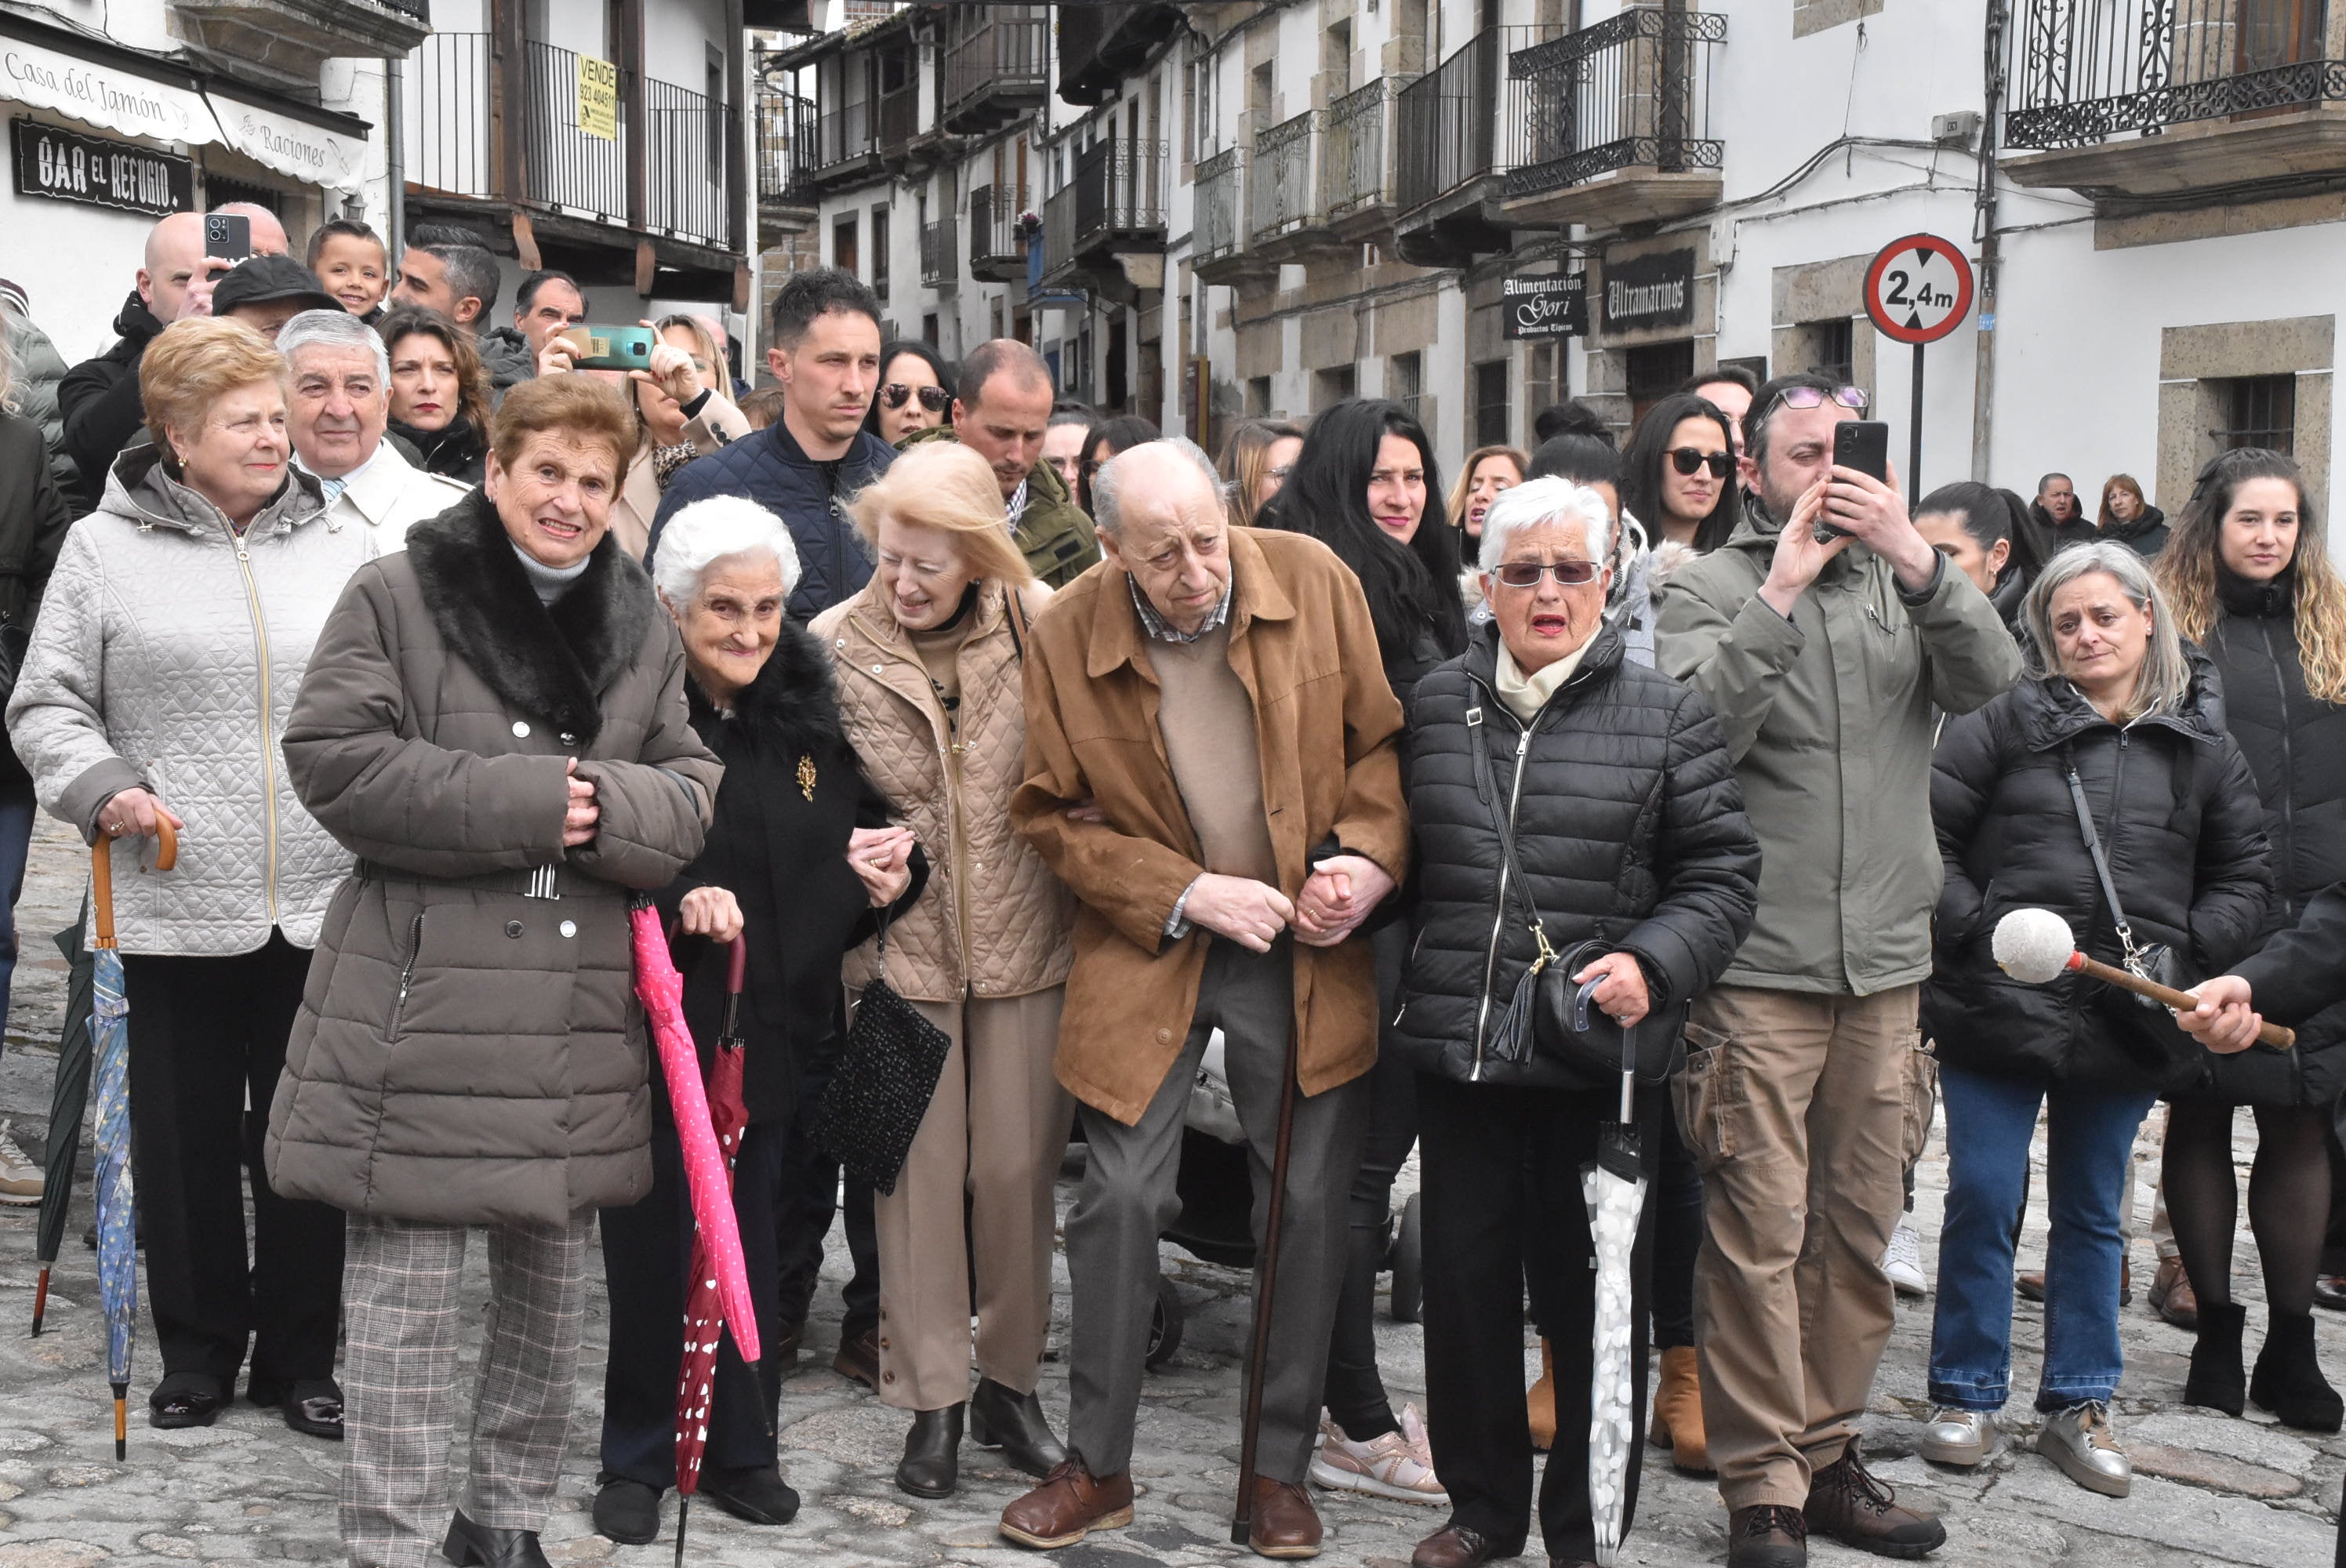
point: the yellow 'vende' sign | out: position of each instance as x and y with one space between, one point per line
598 97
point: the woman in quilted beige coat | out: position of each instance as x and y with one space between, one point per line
176 626
928 655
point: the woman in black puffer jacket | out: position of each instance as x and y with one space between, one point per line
2249 577
2125 713
1629 831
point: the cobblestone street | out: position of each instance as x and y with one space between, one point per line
2207 1490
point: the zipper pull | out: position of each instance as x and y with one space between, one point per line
1522 740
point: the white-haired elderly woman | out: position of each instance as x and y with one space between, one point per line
2118 714
1615 783
800 860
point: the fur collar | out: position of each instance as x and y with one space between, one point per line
551 664
790 709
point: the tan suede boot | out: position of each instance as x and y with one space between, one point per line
1540 1404
1678 1413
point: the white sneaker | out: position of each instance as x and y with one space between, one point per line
1384 1466
1903 1261
21 1182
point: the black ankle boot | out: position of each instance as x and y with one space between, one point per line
1015 1424
2288 1380
931 1463
2217 1381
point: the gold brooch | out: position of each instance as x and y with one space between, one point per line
806 777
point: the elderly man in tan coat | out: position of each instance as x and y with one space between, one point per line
1211 767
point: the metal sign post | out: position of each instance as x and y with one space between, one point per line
1918 290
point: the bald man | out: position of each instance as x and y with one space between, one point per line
99 398
1001 414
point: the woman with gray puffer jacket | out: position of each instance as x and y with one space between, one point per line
177 622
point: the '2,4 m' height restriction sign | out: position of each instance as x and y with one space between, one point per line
1918 290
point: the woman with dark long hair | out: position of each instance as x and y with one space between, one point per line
2250 581
916 389
1678 477
1366 486
1988 536
1104 440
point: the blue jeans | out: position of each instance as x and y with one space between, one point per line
1990 1121
16 810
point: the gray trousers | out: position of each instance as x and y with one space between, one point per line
1128 1198
400 1313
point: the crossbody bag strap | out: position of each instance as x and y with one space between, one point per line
1487 781
2102 867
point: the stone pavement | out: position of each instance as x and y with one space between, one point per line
2207 1490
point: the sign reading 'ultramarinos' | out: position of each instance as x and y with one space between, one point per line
1655 290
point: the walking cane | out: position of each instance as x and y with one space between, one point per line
1242 1520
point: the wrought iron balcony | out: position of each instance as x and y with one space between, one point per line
998 71
1280 215
1356 162
941 254
1463 126
2145 97
1113 208
1220 248
1620 121
997 252
662 171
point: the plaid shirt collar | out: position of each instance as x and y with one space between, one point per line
1016 507
1162 630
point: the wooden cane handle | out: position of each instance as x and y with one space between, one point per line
101 874
2267 1034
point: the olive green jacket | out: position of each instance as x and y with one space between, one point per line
1830 715
1054 534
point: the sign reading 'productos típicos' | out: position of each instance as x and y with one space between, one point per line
67 166
1554 306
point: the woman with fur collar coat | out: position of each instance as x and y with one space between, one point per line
800 858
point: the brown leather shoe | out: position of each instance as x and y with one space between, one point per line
1677 1412
1282 1522
1455 1547
1069 1505
859 1358
1854 1509
2171 1296
2330 1292
1767 1535
2029 1284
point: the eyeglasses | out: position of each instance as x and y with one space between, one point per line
1814 397
896 394
1527 574
1687 459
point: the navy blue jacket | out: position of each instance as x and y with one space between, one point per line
772 469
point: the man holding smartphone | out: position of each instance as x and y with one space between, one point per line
1827 660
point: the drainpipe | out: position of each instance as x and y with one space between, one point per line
1991 249
394 162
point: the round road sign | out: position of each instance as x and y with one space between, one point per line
1919 288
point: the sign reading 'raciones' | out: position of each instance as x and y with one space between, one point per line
1655 290
1556 306
67 166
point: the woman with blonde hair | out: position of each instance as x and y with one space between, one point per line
1256 462
1488 472
2130 518
177 622
2252 582
928 655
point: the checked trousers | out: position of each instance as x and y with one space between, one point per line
400 1312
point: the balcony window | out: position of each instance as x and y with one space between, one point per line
880 253
1831 350
1258 397
1490 405
2259 411
1405 382
842 246
1330 387
1656 370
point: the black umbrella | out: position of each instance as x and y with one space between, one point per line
68 1099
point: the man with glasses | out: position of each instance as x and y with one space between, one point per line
1003 414
1829 635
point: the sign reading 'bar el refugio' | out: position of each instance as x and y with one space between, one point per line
1655 290
1556 306
67 166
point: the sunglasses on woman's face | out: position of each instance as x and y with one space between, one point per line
896 394
1527 574
1687 459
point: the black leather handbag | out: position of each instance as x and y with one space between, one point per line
881 1089
2144 1028
1550 1013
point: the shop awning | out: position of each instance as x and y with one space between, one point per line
104 96
310 153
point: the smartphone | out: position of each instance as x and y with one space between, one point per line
1862 444
611 348
228 237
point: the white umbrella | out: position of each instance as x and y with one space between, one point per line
1615 1186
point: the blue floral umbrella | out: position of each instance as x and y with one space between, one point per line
118 1240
